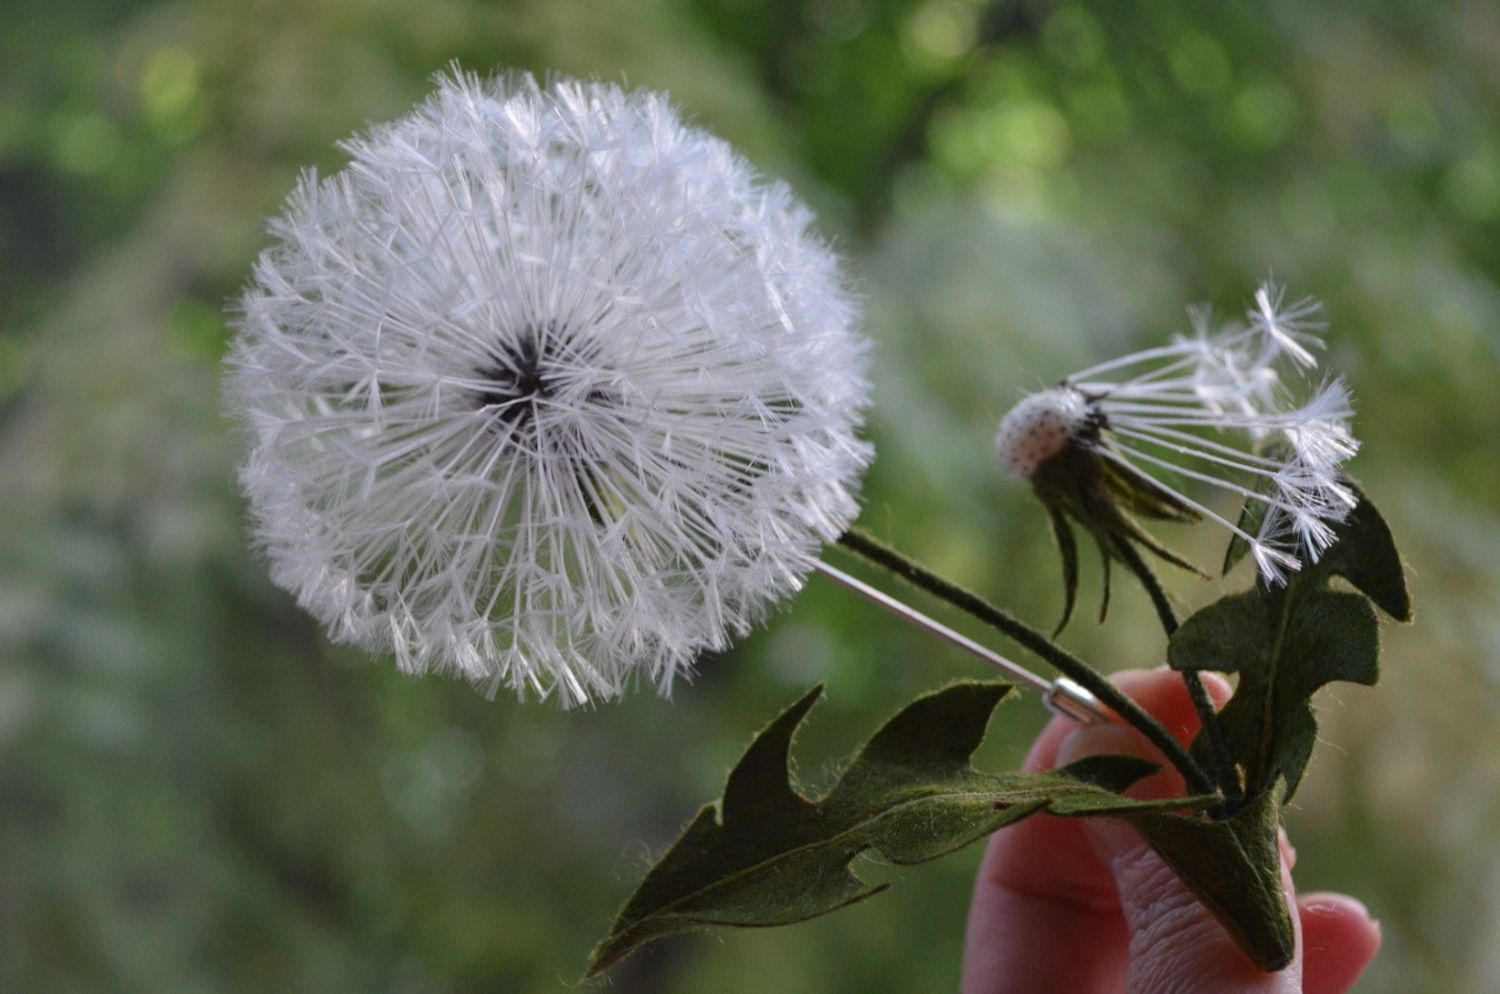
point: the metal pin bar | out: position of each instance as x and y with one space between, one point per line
1061 696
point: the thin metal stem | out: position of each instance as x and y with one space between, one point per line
1062 696
1074 670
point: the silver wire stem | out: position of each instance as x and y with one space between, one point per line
1061 696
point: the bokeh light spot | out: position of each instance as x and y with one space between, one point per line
939 33
86 144
1199 64
1263 114
170 92
1413 123
1073 38
1472 187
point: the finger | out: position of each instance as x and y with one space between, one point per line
1176 944
1045 914
1051 857
1339 938
1019 942
1048 856
1044 910
1160 692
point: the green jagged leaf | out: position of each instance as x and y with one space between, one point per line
1249 522
1366 556
768 855
1253 511
1234 868
1285 644
1288 642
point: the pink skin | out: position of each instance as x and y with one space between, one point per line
1085 907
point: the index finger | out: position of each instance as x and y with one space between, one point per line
1045 913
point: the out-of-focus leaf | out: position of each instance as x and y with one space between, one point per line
768 855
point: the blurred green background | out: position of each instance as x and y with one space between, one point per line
197 793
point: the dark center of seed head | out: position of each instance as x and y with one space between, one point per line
1096 422
516 376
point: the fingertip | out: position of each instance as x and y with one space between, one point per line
1163 694
1340 939
1099 740
1043 753
1219 689
1160 692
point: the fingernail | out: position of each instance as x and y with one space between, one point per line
1219 689
1336 904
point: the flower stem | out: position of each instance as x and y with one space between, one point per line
877 552
1218 748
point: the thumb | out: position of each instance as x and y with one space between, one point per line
1176 945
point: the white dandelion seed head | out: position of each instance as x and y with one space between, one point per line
1038 428
1319 431
1225 377
1202 409
1292 328
1272 561
546 389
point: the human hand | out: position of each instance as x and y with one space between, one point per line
1084 906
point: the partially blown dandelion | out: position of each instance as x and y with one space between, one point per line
1094 446
546 389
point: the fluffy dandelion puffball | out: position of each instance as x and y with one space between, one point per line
1216 409
546 388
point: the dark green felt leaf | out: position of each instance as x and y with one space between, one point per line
1234 868
1285 645
1366 556
1288 642
768 855
1364 553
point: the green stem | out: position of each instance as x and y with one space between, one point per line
1069 665
1218 747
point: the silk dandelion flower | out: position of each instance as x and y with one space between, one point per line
1215 410
547 389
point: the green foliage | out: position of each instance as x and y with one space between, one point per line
768 855
1287 642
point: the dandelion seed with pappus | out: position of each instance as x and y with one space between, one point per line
546 389
1104 445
